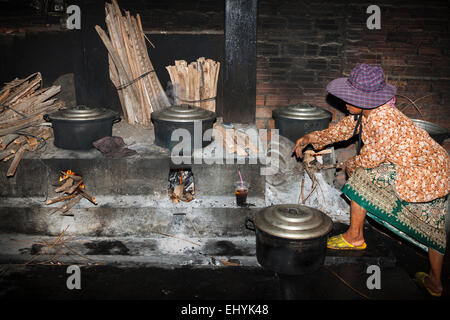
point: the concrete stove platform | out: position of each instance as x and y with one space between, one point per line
163 251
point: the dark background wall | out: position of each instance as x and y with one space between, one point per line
301 46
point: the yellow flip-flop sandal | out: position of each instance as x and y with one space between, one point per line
339 243
420 279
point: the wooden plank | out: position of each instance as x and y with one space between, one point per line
19 154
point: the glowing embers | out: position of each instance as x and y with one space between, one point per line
181 185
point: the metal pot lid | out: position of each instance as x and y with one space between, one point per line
430 127
82 113
302 111
183 113
293 221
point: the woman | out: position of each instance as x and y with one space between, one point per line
400 177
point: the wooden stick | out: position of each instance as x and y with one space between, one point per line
59 199
16 161
6 159
172 236
71 203
73 177
65 185
85 194
6 140
74 187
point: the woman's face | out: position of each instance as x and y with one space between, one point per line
352 109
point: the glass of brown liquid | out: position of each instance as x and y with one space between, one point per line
241 190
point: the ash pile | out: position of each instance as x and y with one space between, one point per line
295 185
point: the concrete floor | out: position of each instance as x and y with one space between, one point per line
334 281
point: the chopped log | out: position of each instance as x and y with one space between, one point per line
74 187
18 156
85 194
6 159
229 142
65 185
59 199
195 83
71 203
241 136
7 153
6 140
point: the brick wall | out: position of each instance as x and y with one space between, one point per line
301 47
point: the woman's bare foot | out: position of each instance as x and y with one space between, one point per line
434 285
354 239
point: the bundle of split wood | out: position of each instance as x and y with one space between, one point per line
22 105
72 186
235 141
196 83
130 68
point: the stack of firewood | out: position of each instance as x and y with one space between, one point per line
235 141
196 83
72 187
130 69
22 105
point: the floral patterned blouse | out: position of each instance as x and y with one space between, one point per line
390 136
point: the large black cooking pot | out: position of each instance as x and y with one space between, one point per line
291 239
76 128
296 120
193 119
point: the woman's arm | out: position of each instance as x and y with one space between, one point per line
343 130
340 131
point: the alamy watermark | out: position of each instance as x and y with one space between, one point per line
374 280
182 152
74 280
74 17
374 20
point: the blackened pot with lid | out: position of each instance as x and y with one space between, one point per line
183 116
294 121
293 222
83 113
183 113
291 239
76 128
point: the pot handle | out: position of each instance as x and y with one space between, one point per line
250 224
117 119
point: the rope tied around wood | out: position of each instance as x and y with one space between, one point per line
123 86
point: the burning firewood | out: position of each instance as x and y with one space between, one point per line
181 185
74 189
65 186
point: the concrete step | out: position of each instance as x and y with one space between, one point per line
130 216
171 250
136 175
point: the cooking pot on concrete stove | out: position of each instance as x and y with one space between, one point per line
291 239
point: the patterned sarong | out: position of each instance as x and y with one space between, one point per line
422 223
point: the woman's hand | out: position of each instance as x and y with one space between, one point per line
300 145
